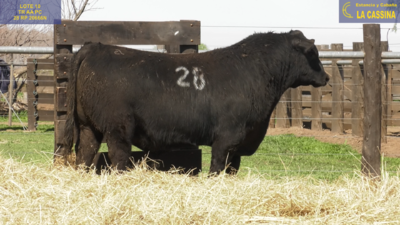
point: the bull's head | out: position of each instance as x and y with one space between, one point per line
308 68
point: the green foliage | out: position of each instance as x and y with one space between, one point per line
23 115
203 46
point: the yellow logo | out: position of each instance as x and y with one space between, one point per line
345 13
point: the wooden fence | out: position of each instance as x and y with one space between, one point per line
339 105
40 91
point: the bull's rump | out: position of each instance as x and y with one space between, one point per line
120 87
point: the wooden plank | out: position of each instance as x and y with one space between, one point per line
42 99
282 114
324 89
296 99
395 107
63 65
128 32
357 104
44 115
316 108
396 74
389 96
45 107
337 93
30 88
59 117
59 129
48 66
61 99
326 105
307 116
45 90
272 119
384 93
40 73
357 111
45 81
371 160
396 89
45 61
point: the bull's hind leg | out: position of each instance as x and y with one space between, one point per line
119 147
88 145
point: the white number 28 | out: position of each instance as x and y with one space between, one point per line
198 78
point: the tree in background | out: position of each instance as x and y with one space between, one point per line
38 35
397 10
203 46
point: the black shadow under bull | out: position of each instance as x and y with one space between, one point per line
222 98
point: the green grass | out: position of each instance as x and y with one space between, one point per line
283 155
23 115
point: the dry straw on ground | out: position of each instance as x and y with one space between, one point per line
38 195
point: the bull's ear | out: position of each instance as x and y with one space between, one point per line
304 46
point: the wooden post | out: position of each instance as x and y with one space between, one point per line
297 110
371 161
61 53
30 88
357 104
11 90
337 93
316 108
384 93
282 118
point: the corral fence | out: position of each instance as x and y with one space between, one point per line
349 101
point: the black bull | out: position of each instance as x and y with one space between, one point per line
222 98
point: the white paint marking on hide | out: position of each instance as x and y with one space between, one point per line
198 74
176 33
118 52
180 81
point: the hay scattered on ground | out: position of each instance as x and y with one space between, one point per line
38 195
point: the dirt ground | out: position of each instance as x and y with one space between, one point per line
390 149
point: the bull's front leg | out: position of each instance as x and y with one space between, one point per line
222 154
234 165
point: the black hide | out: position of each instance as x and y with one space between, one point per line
222 98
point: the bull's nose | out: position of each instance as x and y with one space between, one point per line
327 78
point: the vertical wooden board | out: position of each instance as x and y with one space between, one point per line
61 99
282 117
389 97
297 112
316 109
357 104
272 119
337 99
357 113
371 163
59 129
30 87
337 93
62 65
384 93
59 117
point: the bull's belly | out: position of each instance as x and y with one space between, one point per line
147 143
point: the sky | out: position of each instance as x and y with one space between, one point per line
225 22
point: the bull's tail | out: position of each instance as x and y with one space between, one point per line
71 122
